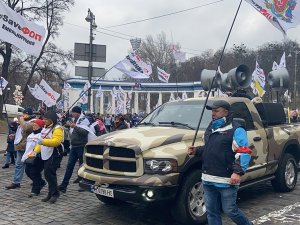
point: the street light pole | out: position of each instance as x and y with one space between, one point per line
90 19
295 78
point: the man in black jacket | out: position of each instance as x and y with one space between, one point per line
79 138
225 158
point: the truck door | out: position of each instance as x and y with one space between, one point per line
256 137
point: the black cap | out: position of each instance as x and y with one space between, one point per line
76 109
51 115
28 111
218 104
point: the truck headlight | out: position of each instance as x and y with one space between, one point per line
160 166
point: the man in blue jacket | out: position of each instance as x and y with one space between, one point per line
225 158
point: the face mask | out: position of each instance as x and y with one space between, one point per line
217 123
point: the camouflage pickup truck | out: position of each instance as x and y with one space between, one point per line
149 163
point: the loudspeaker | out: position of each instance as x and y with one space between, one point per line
278 78
238 77
207 78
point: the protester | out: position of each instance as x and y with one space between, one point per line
34 168
223 138
50 147
79 137
24 129
10 150
120 123
108 121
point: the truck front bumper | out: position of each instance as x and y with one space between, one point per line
139 194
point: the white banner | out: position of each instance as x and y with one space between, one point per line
84 93
20 32
99 92
172 98
275 66
283 14
67 86
53 95
184 95
282 63
134 67
3 84
163 75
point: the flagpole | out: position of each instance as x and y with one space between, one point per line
174 66
220 59
2 90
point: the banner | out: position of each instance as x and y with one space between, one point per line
283 14
20 32
163 75
282 63
258 81
172 98
3 84
184 95
44 93
60 104
134 67
275 66
99 92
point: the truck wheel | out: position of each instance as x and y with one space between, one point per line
286 175
108 200
189 205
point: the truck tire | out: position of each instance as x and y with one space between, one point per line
286 174
108 200
189 205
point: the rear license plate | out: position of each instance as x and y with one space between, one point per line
102 191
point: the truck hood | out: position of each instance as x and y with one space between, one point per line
145 137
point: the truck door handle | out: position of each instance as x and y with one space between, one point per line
256 138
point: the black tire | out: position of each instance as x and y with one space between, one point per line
188 207
108 200
286 174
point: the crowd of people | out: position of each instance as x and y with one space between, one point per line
38 141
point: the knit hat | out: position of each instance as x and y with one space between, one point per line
40 123
76 109
28 111
51 115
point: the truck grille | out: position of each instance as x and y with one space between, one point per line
111 160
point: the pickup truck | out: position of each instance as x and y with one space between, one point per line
149 163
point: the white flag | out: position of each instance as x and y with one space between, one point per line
67 86
60 104
3 84
258 81
20 32
178 55
134 67
275 66
282 63
53 95
114 92
99 93
40 94
84 93
283 14
162 75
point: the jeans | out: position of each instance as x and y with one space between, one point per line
75 154
19 170
9 158
215 197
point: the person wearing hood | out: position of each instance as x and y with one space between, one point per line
20 138
50 147
120 123
33 170
225 158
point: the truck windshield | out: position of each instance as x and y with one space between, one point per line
182 113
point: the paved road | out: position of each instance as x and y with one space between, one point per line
260 203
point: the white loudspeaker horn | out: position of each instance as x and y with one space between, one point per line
278 78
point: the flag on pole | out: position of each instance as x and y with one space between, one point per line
283 14
258 81
67 86
60 104
172 98
178 55
134 67
84 93
163 75
184 95
282 63
3 84
99 92
20 32
275 66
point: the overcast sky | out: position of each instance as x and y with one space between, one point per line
199 29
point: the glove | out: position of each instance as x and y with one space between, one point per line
32 154
39 141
